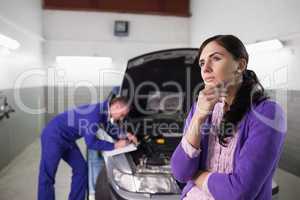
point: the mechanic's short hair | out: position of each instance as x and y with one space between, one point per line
119 99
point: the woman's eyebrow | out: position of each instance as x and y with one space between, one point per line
214 53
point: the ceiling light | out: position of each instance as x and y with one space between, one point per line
83 61
4 51
269 45
9 43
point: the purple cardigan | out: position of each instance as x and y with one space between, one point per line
261 136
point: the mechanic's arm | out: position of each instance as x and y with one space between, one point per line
94 143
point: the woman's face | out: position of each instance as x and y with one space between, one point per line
218 66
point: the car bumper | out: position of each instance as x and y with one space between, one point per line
119 194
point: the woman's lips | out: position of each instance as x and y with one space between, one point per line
209 79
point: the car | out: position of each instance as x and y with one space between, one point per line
161 87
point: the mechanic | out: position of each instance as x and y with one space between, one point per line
114 131
58 141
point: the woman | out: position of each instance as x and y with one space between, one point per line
234 134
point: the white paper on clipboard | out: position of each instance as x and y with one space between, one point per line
128 148
102 135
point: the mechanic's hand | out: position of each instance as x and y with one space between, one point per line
121 144
132 138
207 99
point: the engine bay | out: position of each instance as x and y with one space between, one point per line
156 144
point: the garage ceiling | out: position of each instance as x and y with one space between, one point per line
156 7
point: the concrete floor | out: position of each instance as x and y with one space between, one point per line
19 179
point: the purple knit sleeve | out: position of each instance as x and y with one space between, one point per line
189 149
257 158
183 166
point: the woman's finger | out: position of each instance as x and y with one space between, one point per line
211 97
210 91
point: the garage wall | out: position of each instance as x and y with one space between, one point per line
82 33
22 21
74 33
254 21
250 20
278 70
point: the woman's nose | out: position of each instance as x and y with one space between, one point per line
207 67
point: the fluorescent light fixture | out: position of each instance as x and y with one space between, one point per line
4 51
269 45
84 61
9 43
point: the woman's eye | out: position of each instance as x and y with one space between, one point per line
201 64
215 58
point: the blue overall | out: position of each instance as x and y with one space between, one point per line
58 142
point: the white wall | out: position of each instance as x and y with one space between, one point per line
71 33
252 21
22 21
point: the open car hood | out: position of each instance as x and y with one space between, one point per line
161 73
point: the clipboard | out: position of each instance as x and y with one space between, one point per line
128 148
102 135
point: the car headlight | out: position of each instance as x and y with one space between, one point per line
124 181
143 183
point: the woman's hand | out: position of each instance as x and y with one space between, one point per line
200 178
207 99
